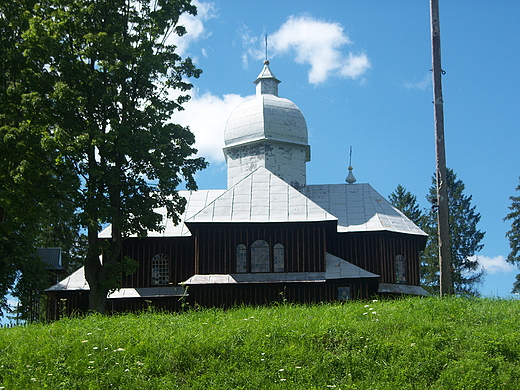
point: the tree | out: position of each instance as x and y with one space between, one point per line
514 236
407 203
465 240
36 209
101 72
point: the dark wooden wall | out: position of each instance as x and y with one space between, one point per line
180 251
304 243
226 296
376 252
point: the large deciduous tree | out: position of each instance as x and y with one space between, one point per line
465 240
37 191
514 236
102 74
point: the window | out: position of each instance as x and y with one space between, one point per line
400 269
160 269
260 257
343 293
241 255
279 258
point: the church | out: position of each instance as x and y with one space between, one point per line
270 236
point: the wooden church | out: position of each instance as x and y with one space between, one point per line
269 236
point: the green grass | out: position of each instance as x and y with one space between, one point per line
404 344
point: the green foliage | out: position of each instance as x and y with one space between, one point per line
514 236
86 118
465 240
465 237
413 343
407 203
36 206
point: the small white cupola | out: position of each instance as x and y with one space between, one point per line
266 82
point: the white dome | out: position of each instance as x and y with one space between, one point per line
266 117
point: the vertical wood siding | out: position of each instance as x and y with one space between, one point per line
304 244
376 252
180 251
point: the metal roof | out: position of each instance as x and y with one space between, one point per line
360 208
50 256
402 289
74 282
195 201
77 282
262 197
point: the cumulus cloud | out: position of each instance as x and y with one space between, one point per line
206 115
194 26
493 265
316 43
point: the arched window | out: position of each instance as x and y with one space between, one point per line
400 269
160 269
278 258
241 258
260 256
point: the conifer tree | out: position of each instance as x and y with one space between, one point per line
465 240
514 236
406 202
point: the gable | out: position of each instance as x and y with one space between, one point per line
261 197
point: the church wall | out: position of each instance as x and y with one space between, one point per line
216 245
261 294
179 250
376 252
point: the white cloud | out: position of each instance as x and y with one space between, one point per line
316 43
194 26
493 265
426 82
206 115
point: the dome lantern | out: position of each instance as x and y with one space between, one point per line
266 82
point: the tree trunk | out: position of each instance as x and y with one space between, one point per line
94 274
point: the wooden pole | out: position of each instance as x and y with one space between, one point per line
446 286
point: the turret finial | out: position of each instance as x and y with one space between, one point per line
350 177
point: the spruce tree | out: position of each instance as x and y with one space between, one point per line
514 236
465 240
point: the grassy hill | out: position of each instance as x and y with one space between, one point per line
404 344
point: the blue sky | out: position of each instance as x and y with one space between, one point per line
360 73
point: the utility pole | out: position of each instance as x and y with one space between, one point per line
446 287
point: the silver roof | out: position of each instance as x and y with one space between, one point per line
262 197
74 282
51 256
77 282
195 201
360 208
402 289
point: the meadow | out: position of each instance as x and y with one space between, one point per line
412 343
